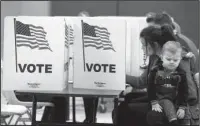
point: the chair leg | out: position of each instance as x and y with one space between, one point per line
19 117
10 119
24 123
4 121
29 115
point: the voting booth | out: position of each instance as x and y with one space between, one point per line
34 53
75 55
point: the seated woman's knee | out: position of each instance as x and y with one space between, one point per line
155 118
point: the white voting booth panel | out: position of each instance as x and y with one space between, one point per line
134 52
99 54
34 54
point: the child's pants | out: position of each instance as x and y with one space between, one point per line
169 109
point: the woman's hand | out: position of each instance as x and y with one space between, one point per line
128 90
180 113
156 107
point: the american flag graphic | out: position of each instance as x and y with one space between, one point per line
31 36
95 36
69 35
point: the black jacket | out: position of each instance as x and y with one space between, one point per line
157 88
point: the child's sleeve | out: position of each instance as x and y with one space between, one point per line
182 92
151 87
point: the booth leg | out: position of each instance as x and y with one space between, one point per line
34 110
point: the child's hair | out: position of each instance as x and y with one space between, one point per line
172 46
161 35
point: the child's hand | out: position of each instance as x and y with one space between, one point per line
180 113
157 108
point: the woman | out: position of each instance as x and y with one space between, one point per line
190 64
152 39
141 107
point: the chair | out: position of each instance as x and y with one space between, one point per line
11 103
9 111
12 99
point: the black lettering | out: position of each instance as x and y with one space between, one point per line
104 67
89 68
29 68
48 68
22 69
97 68
40 67
112 68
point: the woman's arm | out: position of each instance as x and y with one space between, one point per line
138 82
182 92
151 87
191 47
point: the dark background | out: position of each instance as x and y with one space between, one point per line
184 12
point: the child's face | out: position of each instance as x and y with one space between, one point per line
171 60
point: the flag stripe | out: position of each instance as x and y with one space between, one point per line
37 30
92 38
102 34
31 39
109 48
100 28
102 31
41 48
30 42
37 34
91 45
36 27
28 45
26 42
97 43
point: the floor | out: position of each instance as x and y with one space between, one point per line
80 114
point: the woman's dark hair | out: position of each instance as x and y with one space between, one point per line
161 35
160 19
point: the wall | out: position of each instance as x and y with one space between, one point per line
186 13
72 8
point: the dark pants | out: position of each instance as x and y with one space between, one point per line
90 105
56 114
156 118
168 109
133 112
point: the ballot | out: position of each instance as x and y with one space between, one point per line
35 53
